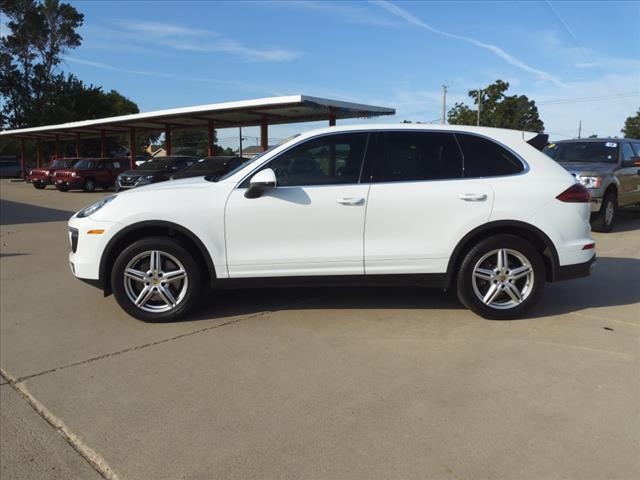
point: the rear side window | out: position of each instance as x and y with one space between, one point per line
485 158
417 156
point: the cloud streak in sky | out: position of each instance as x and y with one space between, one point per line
499 52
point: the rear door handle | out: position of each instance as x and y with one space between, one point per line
351 201
473 197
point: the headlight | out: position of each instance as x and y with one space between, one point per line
47 172
74 174
145 179
590 182
94 207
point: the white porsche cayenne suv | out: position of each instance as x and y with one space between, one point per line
481 210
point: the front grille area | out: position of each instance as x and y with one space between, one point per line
73 238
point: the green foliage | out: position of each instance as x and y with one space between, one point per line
498 110
194 141
33 90
631 127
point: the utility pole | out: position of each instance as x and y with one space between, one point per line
443 118
579 128
479 106
240 141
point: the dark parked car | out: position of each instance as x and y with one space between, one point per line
89 173
41 177
9 166
158 169
608 167
210 166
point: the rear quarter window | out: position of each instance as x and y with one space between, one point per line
485 158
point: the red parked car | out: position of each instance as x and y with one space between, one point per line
89 173
41 177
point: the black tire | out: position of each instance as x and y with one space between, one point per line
530 288
170 248
603 221
89 185
39 186
62 189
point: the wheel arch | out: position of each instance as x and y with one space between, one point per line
148 228
534 235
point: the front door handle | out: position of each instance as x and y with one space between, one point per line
473 197
351 201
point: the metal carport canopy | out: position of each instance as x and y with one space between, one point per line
263 111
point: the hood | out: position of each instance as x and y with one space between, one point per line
581 168
178 184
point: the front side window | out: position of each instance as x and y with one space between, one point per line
116 164
327 160
485 158
85 165
627 152
416 156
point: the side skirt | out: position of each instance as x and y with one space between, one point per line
436 280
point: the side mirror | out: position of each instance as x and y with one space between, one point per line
261 181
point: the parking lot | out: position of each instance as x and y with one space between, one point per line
311 383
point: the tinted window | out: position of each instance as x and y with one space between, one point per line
636 146
485 158
116 164
326 160
85 165
627 152
414 156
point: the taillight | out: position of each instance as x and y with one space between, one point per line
576 193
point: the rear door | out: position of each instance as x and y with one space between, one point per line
419 203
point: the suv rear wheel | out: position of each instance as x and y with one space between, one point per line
501 277
604 220
156 280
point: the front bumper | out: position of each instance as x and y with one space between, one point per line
577 270
87 249
70 183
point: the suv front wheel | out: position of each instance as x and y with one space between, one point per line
156 280
501 277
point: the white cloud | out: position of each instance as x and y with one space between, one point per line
499 52
351 12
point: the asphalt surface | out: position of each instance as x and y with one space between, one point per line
311 383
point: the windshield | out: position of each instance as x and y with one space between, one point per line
85 165
61 163
156 164
249 162
591 152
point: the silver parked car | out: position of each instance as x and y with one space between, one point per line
608 167
9 166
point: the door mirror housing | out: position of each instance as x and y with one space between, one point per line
260 182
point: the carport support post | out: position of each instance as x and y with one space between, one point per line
264 133
210 147
39 153
167 139
57 147
77 145
332 117
132 147
103 144
23 156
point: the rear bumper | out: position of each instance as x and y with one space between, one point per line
577 270
596 204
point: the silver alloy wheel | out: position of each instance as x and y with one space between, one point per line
155 281
608 213
503 279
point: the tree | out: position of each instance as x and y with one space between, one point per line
631 127
498 110
194 141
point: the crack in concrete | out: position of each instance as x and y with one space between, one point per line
93 458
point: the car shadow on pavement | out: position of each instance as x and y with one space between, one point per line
16 213
613 282
628 219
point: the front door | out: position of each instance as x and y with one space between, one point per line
312 222
629 177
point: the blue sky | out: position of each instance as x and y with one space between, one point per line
170 54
